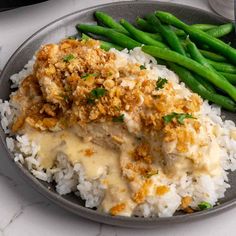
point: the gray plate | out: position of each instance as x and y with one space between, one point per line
64 27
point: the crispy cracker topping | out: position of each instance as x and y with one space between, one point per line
162 190
117 209
88 86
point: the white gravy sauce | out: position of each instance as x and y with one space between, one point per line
103 161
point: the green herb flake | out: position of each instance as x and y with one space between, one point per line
98 92
168 118
90 100
95 94
68 58
179 117
160 83
142 67
118 118
86 75
204 205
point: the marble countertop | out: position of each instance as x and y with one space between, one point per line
23 211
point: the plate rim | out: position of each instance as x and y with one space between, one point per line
82 210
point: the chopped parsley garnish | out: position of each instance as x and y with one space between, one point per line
68 58
204 205
86 75
118 118
95 94
181 118
90 100
178 116
142 67
98 92
160 83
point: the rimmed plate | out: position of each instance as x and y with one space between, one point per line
65 27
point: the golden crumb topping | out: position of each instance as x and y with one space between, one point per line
76 82
140 196
162 190
186 201
89 152
117 209
142 153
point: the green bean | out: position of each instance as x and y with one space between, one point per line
190 64
107 46
205 83
103 44
212 56
213 30
155 36
167 34
140 36
143 25
230 77
202 81
221 30
197 56
196 87
110 22
222 66
114 25
175 44
116 37
204 27
199 35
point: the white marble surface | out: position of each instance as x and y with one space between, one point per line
22 210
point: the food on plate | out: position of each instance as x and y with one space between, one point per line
120 129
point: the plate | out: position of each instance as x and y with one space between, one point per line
65 27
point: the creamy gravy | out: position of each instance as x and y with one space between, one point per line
94 158
101 161
107 164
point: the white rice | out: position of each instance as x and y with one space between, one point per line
70 178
